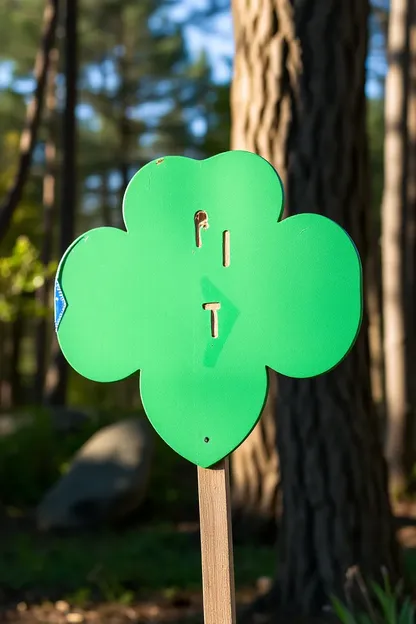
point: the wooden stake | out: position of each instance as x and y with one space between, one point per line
216 544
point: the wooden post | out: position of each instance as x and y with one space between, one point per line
216 544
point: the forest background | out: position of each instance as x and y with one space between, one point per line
89 92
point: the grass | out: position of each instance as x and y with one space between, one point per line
118 566
381 604
410 564
110 565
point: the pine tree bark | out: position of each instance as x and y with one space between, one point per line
255 478
262 95
298 95
394 244
33 116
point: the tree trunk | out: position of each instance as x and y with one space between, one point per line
124 97
374 299
49 214
255 477
298 95
57 395
33 116
107 217
393 245
261 108
124 153
410 231
5 357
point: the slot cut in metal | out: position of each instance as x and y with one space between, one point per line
226 252
213 308
201 223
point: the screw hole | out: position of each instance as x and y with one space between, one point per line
206 440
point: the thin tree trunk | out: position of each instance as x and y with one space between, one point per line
124 101
298 95
410 232
49 215
105 204
5 356
16 385
33 116
375 324
57 394
124 152
393 254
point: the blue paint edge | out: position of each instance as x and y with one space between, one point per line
60 304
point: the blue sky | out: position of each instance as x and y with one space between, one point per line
215 38
219 47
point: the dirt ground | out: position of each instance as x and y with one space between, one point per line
186 609
183 608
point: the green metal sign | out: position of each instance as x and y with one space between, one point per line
205 289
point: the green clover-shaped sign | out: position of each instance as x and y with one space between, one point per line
205 289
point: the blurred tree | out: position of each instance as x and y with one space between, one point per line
29 134
134 78
69 196
398 244
298 100
21 273
128 52
217 116
373 290
58 382
42 338
410 231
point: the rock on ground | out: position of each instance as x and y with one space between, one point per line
62 419
107 479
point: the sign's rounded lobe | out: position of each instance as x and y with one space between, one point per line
201 307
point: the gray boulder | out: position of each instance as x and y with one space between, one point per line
62 419
107 479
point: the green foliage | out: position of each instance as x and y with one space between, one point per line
34 457
143 90
20 32
21 274
107 565
383 605
140 94
112 566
